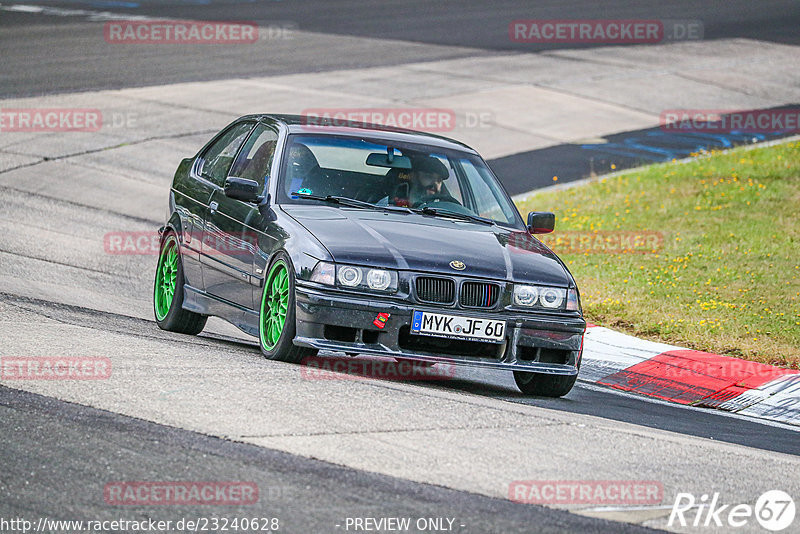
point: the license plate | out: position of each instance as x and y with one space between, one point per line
457 327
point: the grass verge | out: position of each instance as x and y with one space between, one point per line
704 254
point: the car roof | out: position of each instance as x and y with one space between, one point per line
326 126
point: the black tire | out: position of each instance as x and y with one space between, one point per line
544 385
284 349
177 319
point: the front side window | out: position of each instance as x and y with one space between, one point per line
487 197
402 174
255 159
217 160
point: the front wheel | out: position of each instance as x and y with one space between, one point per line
544 385
168 292
276 322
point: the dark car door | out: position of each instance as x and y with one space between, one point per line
190 199
231 239
213 167
193 194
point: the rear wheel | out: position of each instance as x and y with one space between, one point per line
276 323
168 292
544 385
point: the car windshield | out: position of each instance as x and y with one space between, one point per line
407 175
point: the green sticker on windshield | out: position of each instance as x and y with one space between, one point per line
305 191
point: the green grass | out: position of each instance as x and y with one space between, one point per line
725 279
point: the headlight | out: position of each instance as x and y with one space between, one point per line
353 277
551 298
378 279
525 295
349 276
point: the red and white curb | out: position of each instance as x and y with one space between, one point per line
690 377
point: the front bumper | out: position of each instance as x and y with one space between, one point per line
542 343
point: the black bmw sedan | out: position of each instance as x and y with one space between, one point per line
363 239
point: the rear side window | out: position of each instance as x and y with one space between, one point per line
218 159
255 160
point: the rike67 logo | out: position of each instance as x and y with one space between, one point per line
774 510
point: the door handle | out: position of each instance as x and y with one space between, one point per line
213 206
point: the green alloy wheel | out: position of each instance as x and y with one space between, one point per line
276 323
166 274
168 292
274 305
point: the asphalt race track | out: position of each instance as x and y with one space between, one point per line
306 495
210 407
57 53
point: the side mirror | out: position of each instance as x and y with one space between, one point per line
242 189
541 222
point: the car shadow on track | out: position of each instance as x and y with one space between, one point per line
583 399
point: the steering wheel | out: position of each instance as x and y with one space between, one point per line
438 197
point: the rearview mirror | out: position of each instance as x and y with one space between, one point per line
379 159
541 222
242 189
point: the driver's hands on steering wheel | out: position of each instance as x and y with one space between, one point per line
441 196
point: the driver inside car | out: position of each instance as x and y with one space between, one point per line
426 181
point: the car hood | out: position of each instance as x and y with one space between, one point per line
429 244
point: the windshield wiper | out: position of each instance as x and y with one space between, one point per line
349 202
438 212
427 210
